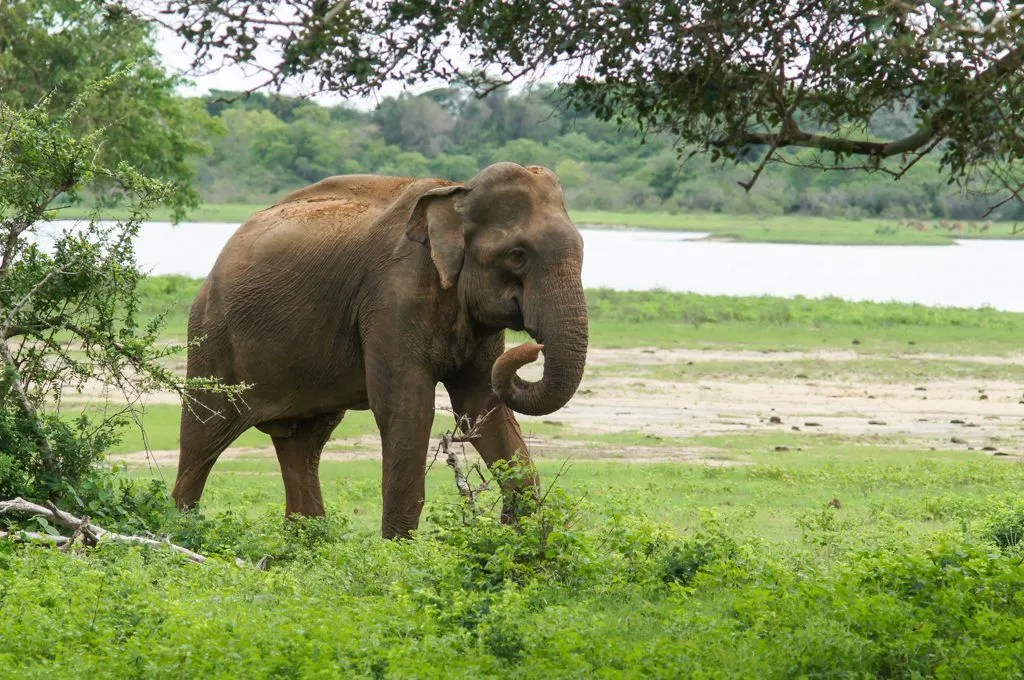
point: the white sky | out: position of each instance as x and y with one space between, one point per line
178 58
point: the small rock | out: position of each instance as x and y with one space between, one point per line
970 425
983 397
989 448
856 341
958 440
812 424
956 421
775 420
795 428
689 363
782 448
877 422
802 376
920 389
871 396
1000 453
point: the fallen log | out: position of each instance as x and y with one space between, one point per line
36 537
90 532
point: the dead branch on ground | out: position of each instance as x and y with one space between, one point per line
36 537
90 533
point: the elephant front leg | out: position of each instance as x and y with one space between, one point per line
499 438
404 414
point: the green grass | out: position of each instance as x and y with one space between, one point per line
685 320
749 228
795 228
160 423
660 570
771 491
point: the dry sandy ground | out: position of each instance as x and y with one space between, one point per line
946 414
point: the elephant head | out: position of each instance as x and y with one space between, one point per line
505 242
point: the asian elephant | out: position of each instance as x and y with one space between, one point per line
364 292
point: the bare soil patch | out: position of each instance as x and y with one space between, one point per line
943 414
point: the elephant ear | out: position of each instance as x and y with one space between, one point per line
438 223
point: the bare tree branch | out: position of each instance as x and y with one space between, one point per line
69 521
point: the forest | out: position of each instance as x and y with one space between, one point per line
263 146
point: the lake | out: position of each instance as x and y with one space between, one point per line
969 274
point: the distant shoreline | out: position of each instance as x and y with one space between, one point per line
793 229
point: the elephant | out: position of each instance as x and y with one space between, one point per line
365 292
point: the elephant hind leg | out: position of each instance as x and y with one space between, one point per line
298 451
206 430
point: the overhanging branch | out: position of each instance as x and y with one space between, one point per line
929 133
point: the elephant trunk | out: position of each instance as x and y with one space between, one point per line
562 328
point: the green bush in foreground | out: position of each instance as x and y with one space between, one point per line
571 592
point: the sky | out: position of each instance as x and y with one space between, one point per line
177 56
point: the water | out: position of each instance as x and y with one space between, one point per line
969 274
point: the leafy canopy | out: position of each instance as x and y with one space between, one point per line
50 48
68 302
736 78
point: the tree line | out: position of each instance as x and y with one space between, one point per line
266 145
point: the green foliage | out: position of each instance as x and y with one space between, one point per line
68 301
73 451
50 50
471 600
666 569
747 81
230 535
275 144
1005 525
604 304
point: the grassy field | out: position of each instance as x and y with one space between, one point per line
687 320
749 228
782 554
800 228
628 570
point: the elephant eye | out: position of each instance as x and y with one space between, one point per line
515 258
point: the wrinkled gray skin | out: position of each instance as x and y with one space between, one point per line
365 292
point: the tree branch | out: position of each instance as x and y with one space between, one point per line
69 521
5 328
792 135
